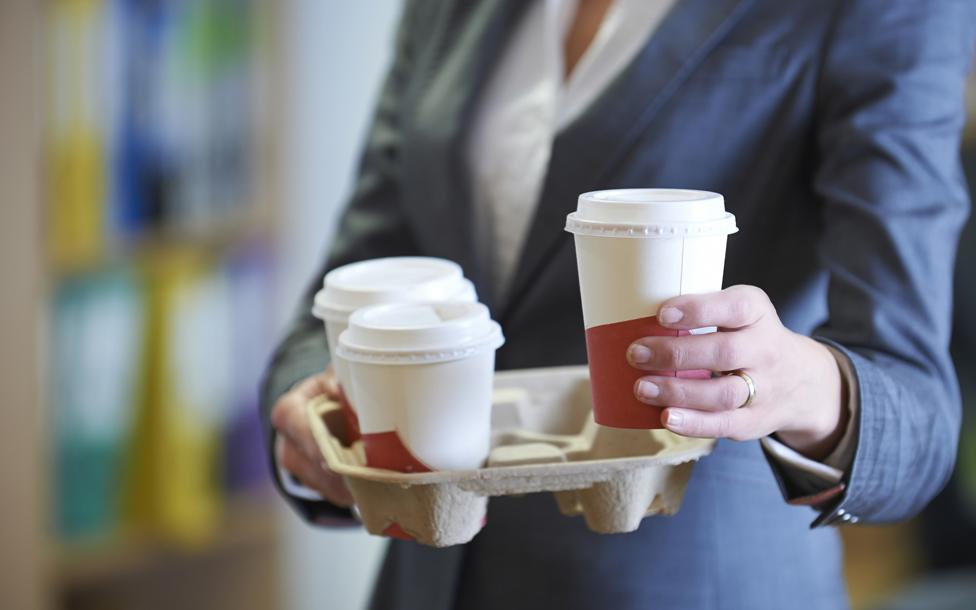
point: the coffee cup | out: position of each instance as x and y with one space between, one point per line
383 280
636 248
422 379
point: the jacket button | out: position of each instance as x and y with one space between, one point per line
838 515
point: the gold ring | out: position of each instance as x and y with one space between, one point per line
749 384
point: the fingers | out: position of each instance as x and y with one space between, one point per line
720 351
288 414
737 424
298 453
289 418
313 475
330 385
732 308
719 394
317 385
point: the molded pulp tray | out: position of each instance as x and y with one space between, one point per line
543 439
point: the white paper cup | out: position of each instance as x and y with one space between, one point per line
403 279
422 377
636 248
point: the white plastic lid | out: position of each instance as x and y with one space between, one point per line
412 279
650 213
419 333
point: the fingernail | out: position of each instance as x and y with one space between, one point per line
670 315
647 389
639 354
675 418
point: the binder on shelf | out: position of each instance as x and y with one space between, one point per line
79 115
97 324
249 273
179 491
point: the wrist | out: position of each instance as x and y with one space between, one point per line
822 421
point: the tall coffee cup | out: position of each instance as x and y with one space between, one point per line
636 248
403 279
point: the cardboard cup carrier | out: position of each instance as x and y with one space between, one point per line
410 279
542 439
636 248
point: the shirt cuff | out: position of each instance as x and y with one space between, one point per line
803 472
805 481
842 457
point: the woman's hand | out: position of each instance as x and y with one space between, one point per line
296 450
798 383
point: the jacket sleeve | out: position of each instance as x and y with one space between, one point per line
373 225
894 200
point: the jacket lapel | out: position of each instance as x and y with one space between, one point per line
469 38
585 154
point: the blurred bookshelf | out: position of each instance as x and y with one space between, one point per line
158 230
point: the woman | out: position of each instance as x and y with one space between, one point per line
832 128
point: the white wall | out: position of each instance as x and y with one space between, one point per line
336 53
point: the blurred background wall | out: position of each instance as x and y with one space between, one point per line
171 175
337 53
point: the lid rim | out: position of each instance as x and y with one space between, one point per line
461 330
432 355
723 225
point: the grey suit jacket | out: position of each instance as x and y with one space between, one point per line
832 127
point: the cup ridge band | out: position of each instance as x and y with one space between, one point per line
724 225
419 356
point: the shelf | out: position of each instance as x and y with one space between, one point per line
249 526
256 227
